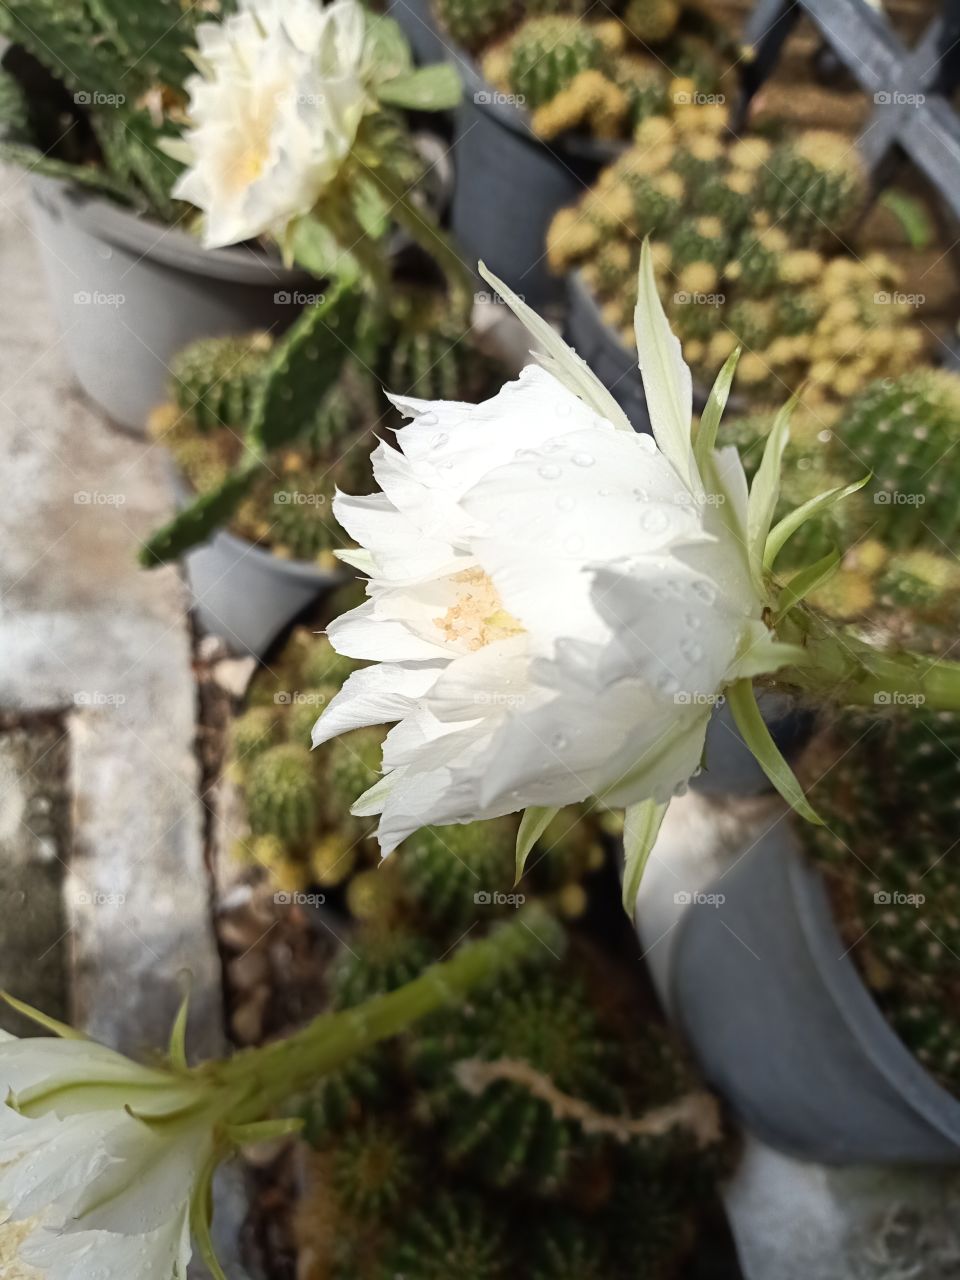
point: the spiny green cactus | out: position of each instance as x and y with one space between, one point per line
355 764
646 85
282 794
920 581
339 1098
570 1250
377 960
651 21
547 54
452 873
214 380
473 23
509 1136
298 518
812 185
907 432
700 240
253 733
372 1169
887 854
457 1236
756 257
305 709
319 663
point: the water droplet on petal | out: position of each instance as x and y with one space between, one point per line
667 683
641 495
583 459
550 471
604 493
654 520
646 443
691 650
428 419
439 440
680 789
693 622
566 503
560 742
705 590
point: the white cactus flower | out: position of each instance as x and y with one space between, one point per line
283 89
99 1161
555 602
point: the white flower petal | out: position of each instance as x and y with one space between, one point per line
375 695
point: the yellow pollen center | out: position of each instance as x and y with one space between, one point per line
478 618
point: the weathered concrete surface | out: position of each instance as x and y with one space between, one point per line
34 849
85 632
792 1219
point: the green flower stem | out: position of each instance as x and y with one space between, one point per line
268 1076
843 669
428 236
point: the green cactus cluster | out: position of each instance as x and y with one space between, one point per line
215 380
282 795
888 853
577 67
810 185
906 431
733 268
123 66
472 23
429 357
508 1136
514 1199
902 433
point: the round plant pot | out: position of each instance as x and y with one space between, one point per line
729 766
614 363
129 293
415 19
784 1028
246 594
509 185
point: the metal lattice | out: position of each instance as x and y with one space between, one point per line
910 87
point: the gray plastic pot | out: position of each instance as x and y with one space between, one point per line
244 593
509 185
128 294
785 1029
614 363
415 19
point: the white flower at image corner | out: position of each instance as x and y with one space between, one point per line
98 1192
273 114
554 600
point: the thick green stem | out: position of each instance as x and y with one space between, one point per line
276 1072
841 668
428 236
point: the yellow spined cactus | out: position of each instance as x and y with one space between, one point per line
570 238
332 859
655 131
591 100
800 266
750 153
698 277
847 595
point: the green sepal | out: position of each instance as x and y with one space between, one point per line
641 826
436 88
765 491
807 580
177 1048
386 48
44 1020
243 1135
705 440
534 822
201 1214
750 722
781 533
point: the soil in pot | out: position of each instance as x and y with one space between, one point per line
528 1190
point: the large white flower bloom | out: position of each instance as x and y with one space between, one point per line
274 114
554 601
106 1193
